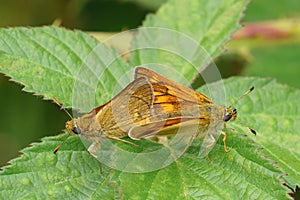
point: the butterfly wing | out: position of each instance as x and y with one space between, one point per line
129 108
162 85
169 127
174 107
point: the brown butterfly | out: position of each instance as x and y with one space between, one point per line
130 108
178 107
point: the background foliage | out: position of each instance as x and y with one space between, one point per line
76 14
28 118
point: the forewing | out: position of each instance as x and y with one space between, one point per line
131 107
163 86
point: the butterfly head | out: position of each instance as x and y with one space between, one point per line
230 111
230 114
73 127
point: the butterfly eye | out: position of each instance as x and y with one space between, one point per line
227 117
230 114
76 130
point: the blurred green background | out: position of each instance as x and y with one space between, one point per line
26 118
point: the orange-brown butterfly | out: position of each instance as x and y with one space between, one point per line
131 107
178 107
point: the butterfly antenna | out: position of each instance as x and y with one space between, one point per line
245 94
250 129
237 100
60 145
61 107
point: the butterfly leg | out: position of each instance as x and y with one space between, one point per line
119 139
189 142
208 147
163 140
186 140
224 142
177 140
95 146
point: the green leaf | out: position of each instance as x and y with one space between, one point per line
273 111
40 174
54 62
243 173
186 35
264 63
38 58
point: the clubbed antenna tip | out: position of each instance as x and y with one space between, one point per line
252 131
